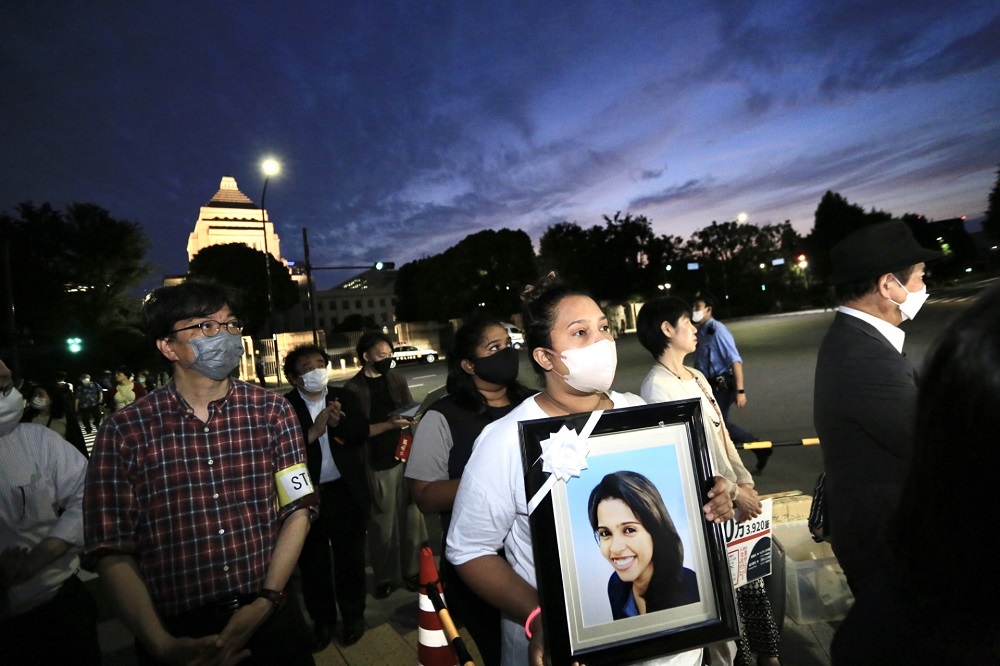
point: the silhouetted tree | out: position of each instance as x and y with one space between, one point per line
570 251
71 272
242 267
621 261
991 225
737 260
835 219
486 269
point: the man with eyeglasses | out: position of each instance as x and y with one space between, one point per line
47 616
197 499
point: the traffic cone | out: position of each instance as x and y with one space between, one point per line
433 648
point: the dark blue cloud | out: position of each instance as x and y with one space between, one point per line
403 126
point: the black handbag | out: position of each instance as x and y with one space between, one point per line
819 522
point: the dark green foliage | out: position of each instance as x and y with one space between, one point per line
991 225
486 269
243 267
70 273
835 219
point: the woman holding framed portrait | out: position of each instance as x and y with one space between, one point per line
573 352
665 329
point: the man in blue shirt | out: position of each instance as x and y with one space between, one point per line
718 359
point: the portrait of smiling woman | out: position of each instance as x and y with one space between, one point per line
637 537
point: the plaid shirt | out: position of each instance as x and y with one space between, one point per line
195 503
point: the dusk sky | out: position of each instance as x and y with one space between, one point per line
402 127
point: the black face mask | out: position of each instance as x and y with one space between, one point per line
499 368
384 366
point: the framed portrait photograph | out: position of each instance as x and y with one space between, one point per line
627 567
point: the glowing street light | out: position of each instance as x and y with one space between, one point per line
270 167
742 217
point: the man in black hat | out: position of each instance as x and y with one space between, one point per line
866 391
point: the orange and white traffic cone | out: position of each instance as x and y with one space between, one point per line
433 648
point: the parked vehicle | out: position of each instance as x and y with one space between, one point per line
516 336
404 353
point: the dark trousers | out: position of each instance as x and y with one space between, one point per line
282 639
469 609
61 631
90 417
726 399
338 533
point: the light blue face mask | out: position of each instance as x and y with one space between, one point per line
217 356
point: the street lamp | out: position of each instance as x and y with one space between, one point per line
270 167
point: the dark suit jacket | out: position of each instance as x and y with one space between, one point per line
619 593
863 410
352 430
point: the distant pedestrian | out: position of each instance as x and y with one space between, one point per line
109 385
89 397
127 390
719 360
45 411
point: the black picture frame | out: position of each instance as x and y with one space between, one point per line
665 442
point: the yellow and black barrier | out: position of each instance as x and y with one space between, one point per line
750 446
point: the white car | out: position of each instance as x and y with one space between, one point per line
516 336
411 353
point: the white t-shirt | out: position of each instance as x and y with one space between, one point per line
491 511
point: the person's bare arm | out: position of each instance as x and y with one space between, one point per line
394 423
126 589
434 496
247 619
741 398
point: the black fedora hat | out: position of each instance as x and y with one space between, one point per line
875 250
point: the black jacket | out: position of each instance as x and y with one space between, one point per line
863 409
347 440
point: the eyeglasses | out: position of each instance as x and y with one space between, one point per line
211 327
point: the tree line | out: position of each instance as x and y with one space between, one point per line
69 273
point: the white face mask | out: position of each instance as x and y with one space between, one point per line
315 381
697 316
591 368
40 403
11 409
912 303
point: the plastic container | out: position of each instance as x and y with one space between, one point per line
815 587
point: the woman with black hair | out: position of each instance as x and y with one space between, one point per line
639 540
54 415
573 352
665 329
482 387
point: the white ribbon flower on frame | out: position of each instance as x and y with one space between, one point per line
564 455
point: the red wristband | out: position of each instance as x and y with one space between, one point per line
531 616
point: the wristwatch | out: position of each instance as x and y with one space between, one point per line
276 597
741 391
